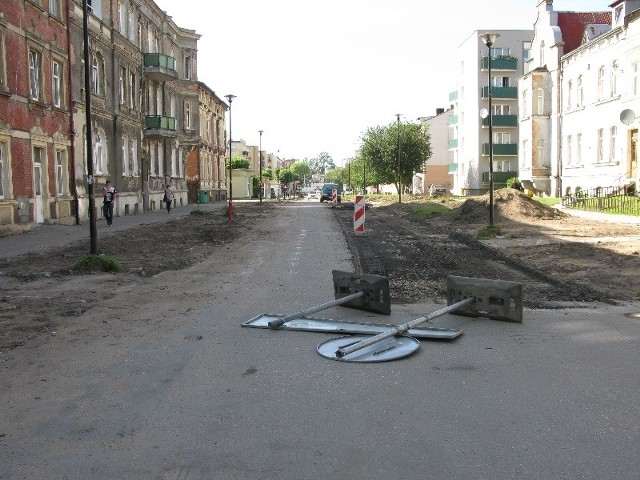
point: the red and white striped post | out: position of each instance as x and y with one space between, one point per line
358 215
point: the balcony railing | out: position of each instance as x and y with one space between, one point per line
503 149
501 121
159 125
453 120
507 93
453 96
499 178
453 167
500 63
453 143
160 67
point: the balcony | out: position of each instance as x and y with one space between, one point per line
160 126
501 121
453 120
453 96
504 93
499 178
161 68
500 63
501 149
453 143
453 168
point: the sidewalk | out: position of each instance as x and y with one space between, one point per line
46 236
600 217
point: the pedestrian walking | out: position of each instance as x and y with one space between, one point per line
168 197
109 193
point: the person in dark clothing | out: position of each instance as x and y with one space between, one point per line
109 193
168 197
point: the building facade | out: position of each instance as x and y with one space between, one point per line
469 139
36 125
581 92
143 95
437 170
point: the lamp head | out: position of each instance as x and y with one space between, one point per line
489 38
260 132
230 98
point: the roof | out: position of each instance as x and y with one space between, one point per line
573 25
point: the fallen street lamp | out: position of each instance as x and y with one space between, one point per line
260 167
230 98
398 154
489 39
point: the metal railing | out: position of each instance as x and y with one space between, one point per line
604 199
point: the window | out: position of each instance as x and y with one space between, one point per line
56 78
131 26
613 82
613 132
525 155
140 35
569 150
35 76
122 17
160 160
174 168
540 99
526 51
159 106
180 163
525 103
187 115
499 81
541 161
580 93
97 69
569 95
187 67
501 138
636 79
61 169
54 8
121 84
153 160
125 155
599 151
601 83
38 160
95 7
501 109
496 52
3 171
149 40
100 153
3 79
579 149
541 62
132 90
133 157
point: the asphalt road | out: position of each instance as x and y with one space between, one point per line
553 397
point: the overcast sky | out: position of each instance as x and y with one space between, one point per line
315 75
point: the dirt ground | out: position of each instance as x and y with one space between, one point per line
561 260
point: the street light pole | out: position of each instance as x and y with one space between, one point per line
398 154
260 168
489 39
230 98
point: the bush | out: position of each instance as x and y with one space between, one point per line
488 232
514 182
97 263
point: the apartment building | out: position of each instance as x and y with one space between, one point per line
144 99
36 126
469 123
436 169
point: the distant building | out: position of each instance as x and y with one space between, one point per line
469 139
437 168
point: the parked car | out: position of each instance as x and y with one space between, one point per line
327 192
437 190
312 194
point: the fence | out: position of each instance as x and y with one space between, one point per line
604 199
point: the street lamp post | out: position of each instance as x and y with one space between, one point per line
260 167
489 39
398 154
230 98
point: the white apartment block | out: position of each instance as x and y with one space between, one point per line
469 136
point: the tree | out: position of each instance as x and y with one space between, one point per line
334 176
379 152
321 164
300 170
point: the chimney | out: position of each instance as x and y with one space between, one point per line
439 111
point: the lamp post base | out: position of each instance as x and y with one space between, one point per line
230 211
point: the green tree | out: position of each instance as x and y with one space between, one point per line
322 163
379 151
334 175
300 170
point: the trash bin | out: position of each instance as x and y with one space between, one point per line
203 197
